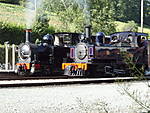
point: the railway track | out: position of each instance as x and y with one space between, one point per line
11 80
12 76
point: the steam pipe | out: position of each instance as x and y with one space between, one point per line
28 35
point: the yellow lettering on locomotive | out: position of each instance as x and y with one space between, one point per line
77 65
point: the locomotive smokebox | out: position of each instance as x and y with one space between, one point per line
28 35
88 31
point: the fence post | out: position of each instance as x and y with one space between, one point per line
13 57
6 55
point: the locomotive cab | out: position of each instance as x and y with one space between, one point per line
62 43
66 39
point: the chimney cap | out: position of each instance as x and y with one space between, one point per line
28 30
88 26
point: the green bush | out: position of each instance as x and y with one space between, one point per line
22 2
10 1
11 33
16 34
2 55
18 2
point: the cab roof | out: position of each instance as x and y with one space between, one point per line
126 33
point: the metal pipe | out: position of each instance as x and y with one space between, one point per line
142 16
88 31
28 35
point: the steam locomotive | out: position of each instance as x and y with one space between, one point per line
100 55
46 57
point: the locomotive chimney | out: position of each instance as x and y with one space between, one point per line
88 31
28 35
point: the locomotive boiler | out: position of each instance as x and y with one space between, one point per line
100 55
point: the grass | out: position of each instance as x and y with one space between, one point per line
1 46
13 14
121 24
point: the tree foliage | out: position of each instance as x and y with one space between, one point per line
68 13
11 33
128 10
42 27
102 16
74 14
147 12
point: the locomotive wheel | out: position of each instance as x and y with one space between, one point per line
72 71
80 72
46 72
22 73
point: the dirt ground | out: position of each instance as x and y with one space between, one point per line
89 98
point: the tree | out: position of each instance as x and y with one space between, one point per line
128 10
147 12
73 15
41 27
72 19
102 16
119 7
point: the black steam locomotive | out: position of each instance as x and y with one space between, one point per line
46 57
102 55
